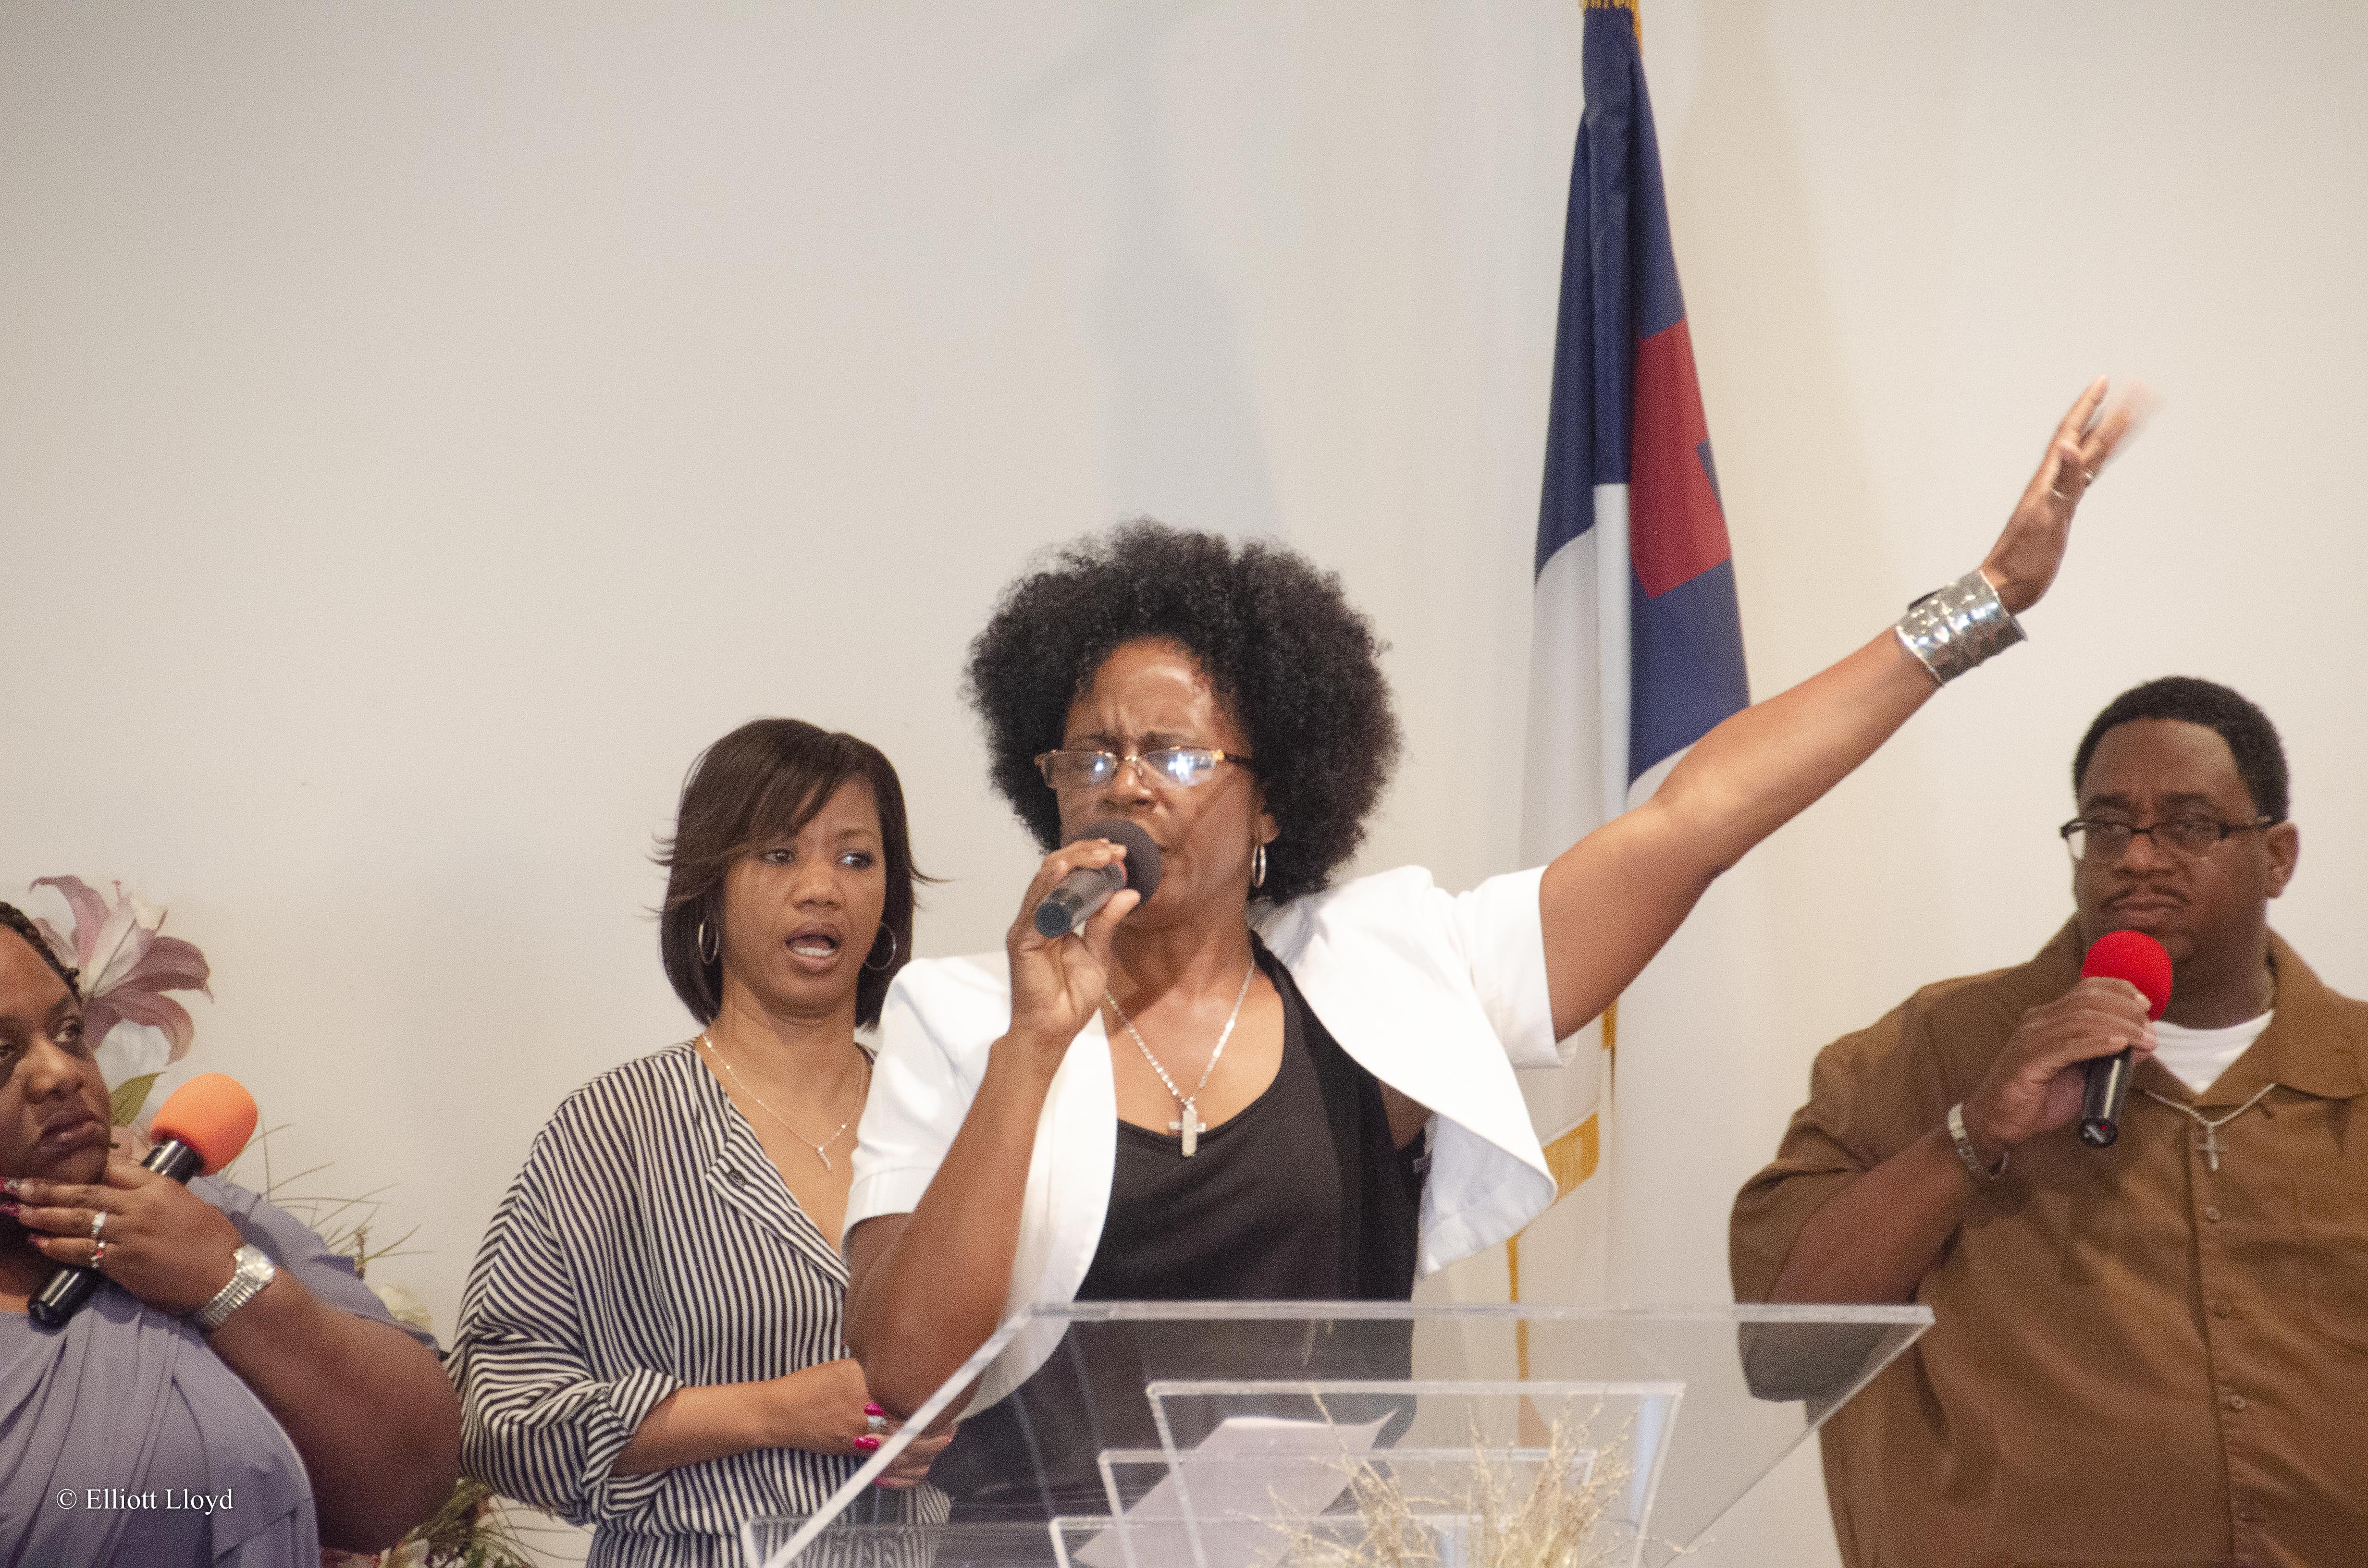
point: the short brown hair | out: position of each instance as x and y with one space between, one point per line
761 783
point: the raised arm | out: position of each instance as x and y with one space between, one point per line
1612 899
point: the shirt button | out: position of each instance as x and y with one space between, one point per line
2212 1214
2236 1402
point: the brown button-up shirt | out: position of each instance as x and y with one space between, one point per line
2134 1358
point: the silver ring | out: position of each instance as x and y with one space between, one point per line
875 1425
2057 493
2089 476
98 1254
97 1223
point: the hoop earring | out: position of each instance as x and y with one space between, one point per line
883 967
699 936
1258 865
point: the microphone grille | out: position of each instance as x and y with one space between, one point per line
2137 958
212 1113
1143 866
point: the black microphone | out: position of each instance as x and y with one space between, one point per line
2101 1097
2137 958
1066 908
201 1128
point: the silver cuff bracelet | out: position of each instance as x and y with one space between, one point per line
1952 630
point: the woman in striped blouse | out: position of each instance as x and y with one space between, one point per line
650 1341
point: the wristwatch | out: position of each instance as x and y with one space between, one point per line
254 1271
1984 1175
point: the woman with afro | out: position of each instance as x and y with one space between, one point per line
1257 1085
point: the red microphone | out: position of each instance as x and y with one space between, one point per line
2137 958
200 1127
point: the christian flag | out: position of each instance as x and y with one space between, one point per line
1636 650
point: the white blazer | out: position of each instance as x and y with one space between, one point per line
1438 996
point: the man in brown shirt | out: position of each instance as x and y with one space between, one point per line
2155 1353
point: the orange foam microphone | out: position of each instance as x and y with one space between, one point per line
201 1128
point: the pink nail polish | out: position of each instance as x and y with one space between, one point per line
9 1209
866 1443
873 1410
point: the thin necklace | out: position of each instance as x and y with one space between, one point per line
1189 1123
2211 1125
784 1121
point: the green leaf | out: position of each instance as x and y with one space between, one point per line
130 1096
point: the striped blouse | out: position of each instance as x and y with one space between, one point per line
649 1244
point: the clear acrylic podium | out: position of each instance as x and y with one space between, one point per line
1363 1435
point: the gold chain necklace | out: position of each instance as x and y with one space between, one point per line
1187 1120
2210 1147
777 1116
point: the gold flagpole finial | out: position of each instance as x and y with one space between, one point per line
1636 16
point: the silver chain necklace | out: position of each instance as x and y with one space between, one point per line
784 1121
1188 1121
2211 1125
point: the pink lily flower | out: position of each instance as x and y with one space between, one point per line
126 965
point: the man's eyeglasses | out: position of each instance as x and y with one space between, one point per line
1181 766
2186 837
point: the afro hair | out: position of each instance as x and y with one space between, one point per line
1299 669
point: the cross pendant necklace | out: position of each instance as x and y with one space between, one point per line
1188 1121
2210 1147
1189 1124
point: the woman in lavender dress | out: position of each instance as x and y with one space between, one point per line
130 1435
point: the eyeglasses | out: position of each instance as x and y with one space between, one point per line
1183 766
2186 837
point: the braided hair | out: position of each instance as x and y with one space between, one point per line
16 920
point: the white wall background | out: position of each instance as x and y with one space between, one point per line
423 426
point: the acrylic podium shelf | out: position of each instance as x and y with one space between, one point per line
1259 1435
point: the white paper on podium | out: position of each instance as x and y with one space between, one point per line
1229 1487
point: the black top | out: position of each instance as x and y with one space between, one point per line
1262 1212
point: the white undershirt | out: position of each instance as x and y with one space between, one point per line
2198 1057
